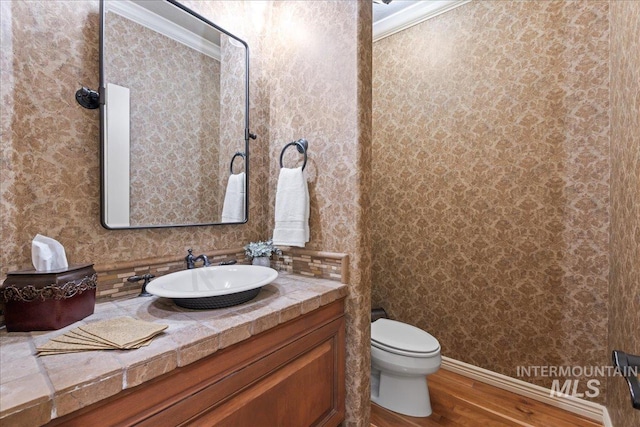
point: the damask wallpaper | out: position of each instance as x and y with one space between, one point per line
490 195
51 149
624 289
175 124
232 114
319 86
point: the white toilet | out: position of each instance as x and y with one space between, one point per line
401 357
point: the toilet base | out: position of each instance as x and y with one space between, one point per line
404 395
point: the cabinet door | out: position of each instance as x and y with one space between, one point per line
299 394
300 385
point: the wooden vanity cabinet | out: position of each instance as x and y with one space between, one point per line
288 376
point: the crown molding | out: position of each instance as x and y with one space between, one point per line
412 15
159 24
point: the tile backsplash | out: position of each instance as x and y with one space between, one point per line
112 279
113 284
327 265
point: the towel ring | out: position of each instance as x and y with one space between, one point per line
238 154
301 145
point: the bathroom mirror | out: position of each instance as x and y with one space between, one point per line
174 100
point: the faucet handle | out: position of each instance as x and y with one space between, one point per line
190 259
146 278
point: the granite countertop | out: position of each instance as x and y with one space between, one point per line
35 389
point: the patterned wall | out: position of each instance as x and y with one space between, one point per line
490 195
624 289
232 115
319 89
310 77
175 124
51 149
9 213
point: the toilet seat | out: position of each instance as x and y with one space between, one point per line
400 338
404 352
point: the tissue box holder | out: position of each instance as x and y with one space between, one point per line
47 300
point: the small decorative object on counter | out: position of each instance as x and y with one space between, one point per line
47 300
122 333
260 252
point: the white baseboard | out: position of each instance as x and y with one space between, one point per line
591 410
606 420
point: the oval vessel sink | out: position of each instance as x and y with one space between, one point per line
213 287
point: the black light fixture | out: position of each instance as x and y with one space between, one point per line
382 1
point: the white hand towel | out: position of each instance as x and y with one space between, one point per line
292 209
233 205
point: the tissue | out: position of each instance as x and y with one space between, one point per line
47 254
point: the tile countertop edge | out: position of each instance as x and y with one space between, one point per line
191 335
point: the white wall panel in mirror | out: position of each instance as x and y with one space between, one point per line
116 160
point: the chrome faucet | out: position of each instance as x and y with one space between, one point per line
191 260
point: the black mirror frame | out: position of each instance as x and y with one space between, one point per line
247 133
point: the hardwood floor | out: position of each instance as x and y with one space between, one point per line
461 401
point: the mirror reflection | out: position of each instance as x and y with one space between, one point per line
174 116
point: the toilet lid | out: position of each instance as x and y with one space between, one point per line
392 335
